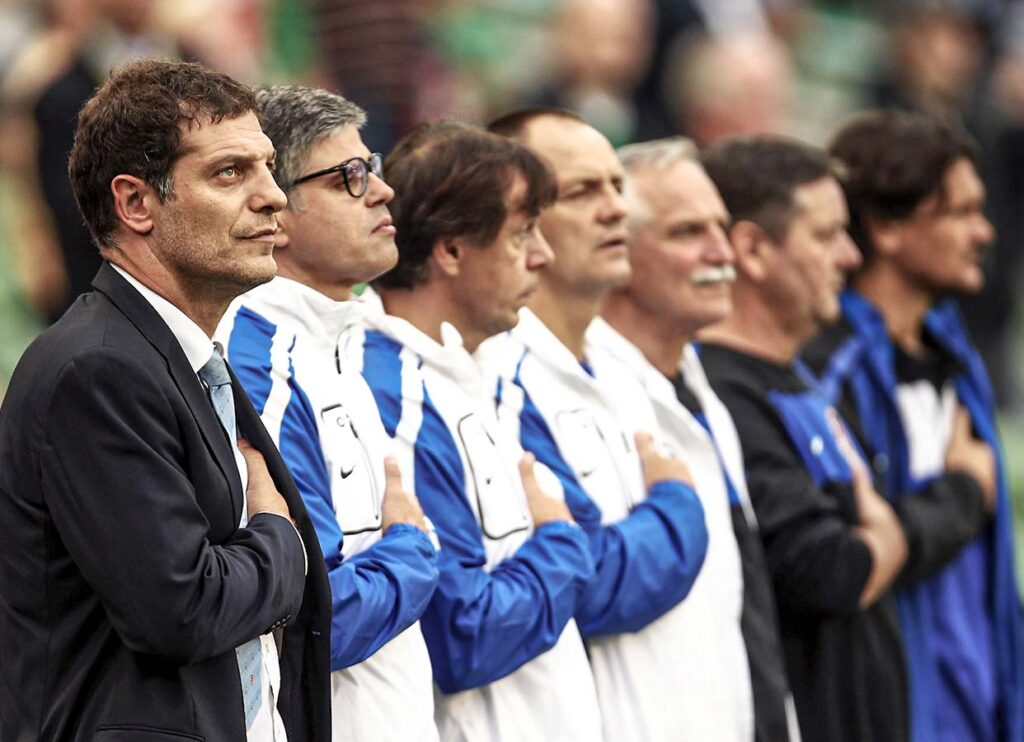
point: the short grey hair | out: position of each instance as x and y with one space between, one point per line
656 153
295 117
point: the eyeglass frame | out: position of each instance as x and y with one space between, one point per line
368 165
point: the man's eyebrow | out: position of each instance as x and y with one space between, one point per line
580 180
241 152
688 225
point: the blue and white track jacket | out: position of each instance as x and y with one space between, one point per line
648 546
710 656
284 341
508 660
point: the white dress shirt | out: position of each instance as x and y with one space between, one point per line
198 347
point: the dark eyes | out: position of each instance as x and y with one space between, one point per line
688 230
589 188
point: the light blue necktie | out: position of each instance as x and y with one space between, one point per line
214 374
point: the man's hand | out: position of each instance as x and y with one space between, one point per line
967 454
398 506
543 507
261 495
880 528
658 468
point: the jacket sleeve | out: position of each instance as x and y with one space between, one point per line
481 625
645 563
375 594
819 565
939 521
127 512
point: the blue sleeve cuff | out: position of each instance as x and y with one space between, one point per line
646 562
670 487
407 530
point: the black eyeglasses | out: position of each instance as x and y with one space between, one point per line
355 171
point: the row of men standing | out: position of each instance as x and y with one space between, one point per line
505 494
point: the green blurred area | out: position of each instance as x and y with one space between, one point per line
18 324
1011 428
290 53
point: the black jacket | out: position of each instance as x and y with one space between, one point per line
845 664
125 580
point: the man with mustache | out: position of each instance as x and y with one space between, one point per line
681 277
581 411
507 657
285 340
153 581
833 544
903 362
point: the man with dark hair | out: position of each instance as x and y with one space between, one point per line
514 123
507 657
152 559
833 544
580 410
681 280
283 340
903 363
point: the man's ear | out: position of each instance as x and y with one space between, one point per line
446 256
885 236
134 200
752 244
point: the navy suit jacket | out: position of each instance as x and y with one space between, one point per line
125 580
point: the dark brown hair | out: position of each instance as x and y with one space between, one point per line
133 125
514 123
757 177
894 161
452 180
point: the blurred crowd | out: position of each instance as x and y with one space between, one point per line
635 69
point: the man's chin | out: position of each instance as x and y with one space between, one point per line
963 288
830 317
972 283
258 275
618 276
378 262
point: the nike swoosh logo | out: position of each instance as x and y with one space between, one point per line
347 474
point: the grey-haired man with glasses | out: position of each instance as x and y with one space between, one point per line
286 344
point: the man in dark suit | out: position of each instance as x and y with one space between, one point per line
159 576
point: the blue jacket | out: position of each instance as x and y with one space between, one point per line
281 339
962 628
648 544
506 654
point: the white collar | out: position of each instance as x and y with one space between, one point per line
542 342
191 337
449 357
313 311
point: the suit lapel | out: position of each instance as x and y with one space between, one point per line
132 304
251 427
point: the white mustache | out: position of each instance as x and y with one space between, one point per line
719 274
